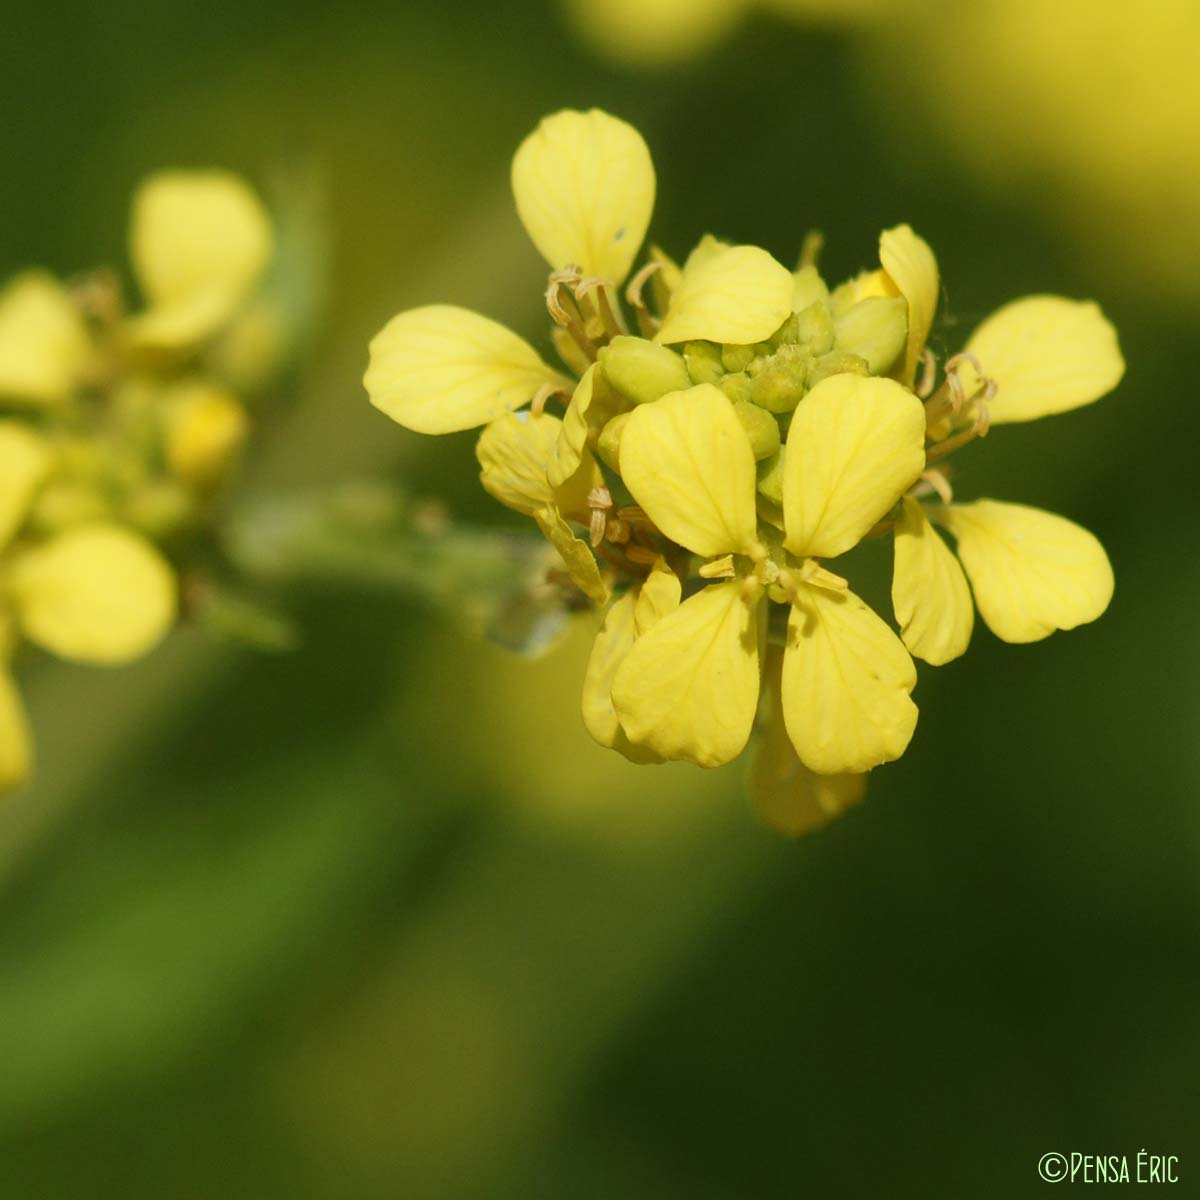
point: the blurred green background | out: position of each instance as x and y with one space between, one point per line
376 919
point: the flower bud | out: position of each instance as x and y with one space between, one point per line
642 371
778 382
770 476
814 329
836 362
809 288
760 428
875 329
736 358
703 361
736 386
609 444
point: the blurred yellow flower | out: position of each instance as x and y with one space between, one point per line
706 468
45 350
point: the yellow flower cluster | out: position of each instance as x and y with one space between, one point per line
114 431
757 426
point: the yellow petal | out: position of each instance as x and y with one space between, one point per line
24 460
612 643
854 445
200 241
575 553
514 452
929 591
846 685
584 187
44 345
16 745
592 405
910 264
808 288
687 461
736 294
1047 355
658 597
688 688
439 369
96 593
667 31
786 795
1032 571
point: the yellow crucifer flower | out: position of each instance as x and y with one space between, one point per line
756 426
1032 572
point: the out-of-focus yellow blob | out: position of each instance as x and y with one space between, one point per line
199 242
688 688
846 685
16 746
96 593
1047 355
1032 571
44 345
206 429
929 591
584 188
687 461
734 294
24 460
439 369
854 445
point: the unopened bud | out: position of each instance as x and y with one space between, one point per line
760 428
770 476
736 386
206 429
814 329
809 288
642 371
778 382
703 361
836 362
875 329
609 444
737 358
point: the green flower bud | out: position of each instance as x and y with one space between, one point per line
608 445
737 358
703 361
779 381
736 386
642 371
788 334
760 428
875 329
814 329
770 476
836 362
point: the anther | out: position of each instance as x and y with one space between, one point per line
928 374
719 568
647 325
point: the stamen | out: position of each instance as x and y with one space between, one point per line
557 290
596 529
537 405
979 428
936 481
641 554
647 325
600 497
719 568
595 285
928 374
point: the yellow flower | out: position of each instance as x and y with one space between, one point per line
96 593
688 687
756 426
1032 572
